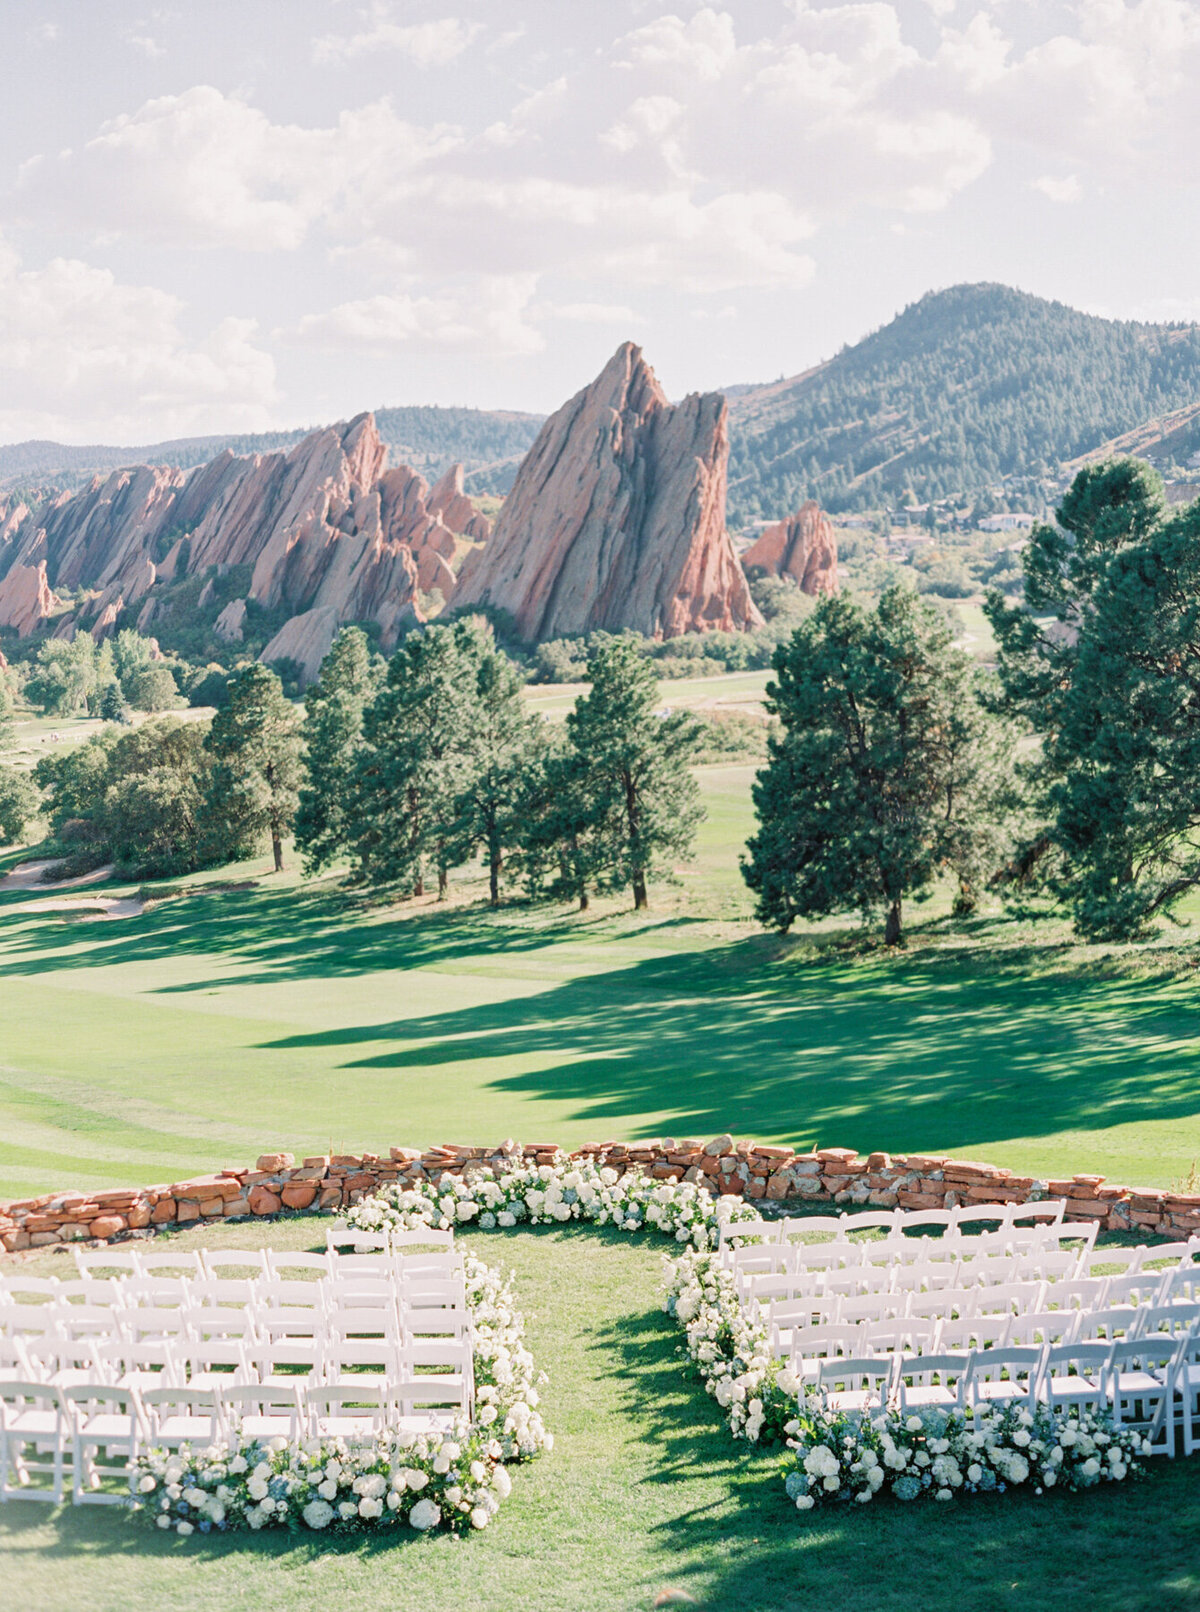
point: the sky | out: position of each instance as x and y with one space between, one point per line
241 216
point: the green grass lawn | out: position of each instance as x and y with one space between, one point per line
296 1015
644 1492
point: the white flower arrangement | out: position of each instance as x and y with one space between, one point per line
941 1454
455 1481
730 1351
545 1194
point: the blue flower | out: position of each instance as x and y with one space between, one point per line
278 1488
182 1508
796 1484
907 1487
205 1526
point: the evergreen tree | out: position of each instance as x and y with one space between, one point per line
414 765
18 803
254 743
112 704
881 776
640 792
565 834
504 740
332 733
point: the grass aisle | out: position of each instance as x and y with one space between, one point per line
643 1493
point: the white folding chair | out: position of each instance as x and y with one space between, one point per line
978 1332
1007 1376
152 1292
969 1221
427 1237
1134 1290
182 1264
855 1382
1049 1212
1180 1286
1142 1376
1074 1376
918 1220
928 1382
32 1416
435 1384
870 1220
907 1334
261 1410
142 1363
815 1344
1008 1298
1108 1325
176 1416
857 1308
214 1291
19 1289
103 1417
347 1409
1103 1263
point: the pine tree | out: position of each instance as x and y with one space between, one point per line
503 745
7 727
875 784
404 808
332 733
18 802
254 743
640 792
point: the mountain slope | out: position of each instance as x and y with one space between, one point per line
489 444
965 388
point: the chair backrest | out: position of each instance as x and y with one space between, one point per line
810 1230
1105 1262
161 1357
20 1289
1109 1325
979 1332
941 1368
159 1292
921 1221
345 1356
1180 1286
1171 1256
340 1235
148 1321
344 1266
223 1290
272 1292
728 1235
969 1220
219 1262
27 1320
274 1398
213 1321
1061 1265
870 1220
1007 1298
361 1322
280 1262
1139 1287
1174 1319
853 1373
1043 1327
859 1307
902 1334
1156 1352
427 1237
179 1262
1049 1212
88 1262
106 1290
1075 1359
86 1320
818 1343
1016 1365
1081 1293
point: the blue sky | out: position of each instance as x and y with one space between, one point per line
223 216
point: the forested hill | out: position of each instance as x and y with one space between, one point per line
489 443
966 388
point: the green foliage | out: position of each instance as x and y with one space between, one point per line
505 744
637 787
1100 659
65 676
112 704
885 773
7 729
254 745
19 802
135 798
332 734
416 760
966 387
150 687
209 687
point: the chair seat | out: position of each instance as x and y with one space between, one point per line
1000 1392
930 1394
32 1423
1073 1387
107 1425
852 1399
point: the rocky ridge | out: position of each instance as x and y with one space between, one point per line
802 547
617 518
331 535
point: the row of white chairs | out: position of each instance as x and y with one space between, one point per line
899 1224
844 1254
806 1342
1065 1304
96 1429
1150 1383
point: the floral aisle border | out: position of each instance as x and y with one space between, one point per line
844 1456
456 1481
459 1480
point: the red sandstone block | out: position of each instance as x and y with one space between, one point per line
878 1161
330 1198
105 1226
263 1201
732 1186
212 1206
138 1216
299 1194
830 1155
920 1200
756 1187
205 1186
187 1209
275 1161
777 1187
164 1210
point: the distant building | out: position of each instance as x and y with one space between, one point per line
1006 523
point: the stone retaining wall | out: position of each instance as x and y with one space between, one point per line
746 1169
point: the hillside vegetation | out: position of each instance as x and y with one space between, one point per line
965 389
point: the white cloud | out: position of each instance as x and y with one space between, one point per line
426 44
86 357
488 319
1067 189
147 45
206 169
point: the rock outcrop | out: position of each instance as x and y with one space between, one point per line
26 598
802 547
328 534
617 518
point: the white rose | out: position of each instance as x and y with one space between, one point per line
370 1509
183 1528
146 1484
805 1502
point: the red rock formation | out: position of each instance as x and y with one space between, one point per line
802 547
26 599
617 518
329 533
448 501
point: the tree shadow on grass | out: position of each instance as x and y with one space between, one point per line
937 1048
